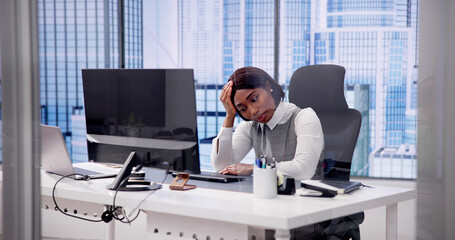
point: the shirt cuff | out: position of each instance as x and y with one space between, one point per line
225 133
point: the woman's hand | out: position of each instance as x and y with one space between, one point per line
225 98
238 169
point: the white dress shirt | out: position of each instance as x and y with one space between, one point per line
234 146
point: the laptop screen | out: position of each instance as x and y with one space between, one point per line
54 155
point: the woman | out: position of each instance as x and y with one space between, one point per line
291 136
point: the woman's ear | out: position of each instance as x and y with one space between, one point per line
268 87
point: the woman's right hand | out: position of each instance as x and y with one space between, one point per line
225 98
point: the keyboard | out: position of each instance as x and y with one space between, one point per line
213 177
84 171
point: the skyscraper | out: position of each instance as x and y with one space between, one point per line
295 37
74 35
199 29
375 42
357 97
248 35
199 47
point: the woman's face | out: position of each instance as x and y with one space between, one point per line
255 104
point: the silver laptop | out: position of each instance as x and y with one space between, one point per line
55 158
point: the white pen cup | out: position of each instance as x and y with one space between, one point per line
264 182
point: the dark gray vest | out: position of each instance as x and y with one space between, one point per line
279 143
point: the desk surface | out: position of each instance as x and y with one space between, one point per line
283 212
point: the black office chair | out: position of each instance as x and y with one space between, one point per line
321 87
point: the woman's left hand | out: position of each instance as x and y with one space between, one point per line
238 169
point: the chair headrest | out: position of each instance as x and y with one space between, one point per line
320 87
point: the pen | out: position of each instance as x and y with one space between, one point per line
258 162
264 160
272 164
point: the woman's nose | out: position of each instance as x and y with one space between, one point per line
253 112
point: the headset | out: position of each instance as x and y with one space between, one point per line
112 211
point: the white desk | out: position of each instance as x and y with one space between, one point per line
221 214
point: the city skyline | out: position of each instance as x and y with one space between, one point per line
374 41
74 36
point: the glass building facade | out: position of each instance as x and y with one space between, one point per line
357 97
74 35
199 39
258 34
374 40
295 37
247 39
393 162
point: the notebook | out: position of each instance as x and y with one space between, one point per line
341 187
55 158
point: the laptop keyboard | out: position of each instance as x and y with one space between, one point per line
84 171
211 174
214 176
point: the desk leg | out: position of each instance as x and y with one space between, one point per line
282 234
110 230
391 221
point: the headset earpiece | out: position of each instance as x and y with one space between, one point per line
107 216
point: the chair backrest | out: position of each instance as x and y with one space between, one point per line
321 87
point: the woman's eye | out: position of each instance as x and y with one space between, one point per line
242 109
254 99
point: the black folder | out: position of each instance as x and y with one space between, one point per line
341 187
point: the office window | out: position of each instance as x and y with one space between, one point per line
74 35
374 40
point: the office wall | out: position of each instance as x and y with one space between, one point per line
436 117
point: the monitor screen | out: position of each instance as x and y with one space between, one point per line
150 111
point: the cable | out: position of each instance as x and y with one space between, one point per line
107 215
86 177
143 200
114 209
111 212
137 207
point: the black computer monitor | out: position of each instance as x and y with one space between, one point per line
150 111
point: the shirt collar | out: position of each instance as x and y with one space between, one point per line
277 116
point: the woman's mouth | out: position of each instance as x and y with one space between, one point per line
261 118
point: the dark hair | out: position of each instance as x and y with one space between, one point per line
251 78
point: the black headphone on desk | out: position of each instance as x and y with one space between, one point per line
107 215
110 213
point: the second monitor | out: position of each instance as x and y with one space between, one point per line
151 111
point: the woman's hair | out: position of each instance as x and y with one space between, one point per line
251 78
